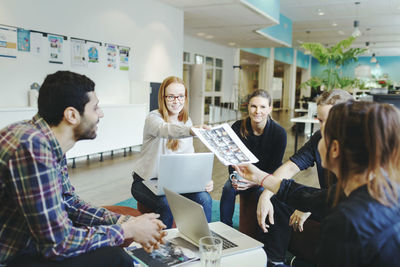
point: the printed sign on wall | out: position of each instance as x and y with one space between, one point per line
55 49
8 42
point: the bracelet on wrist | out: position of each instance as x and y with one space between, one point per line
263 179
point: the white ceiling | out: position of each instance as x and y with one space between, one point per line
225 22
232 21
379 22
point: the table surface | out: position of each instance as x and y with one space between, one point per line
301 110
304 119
255 257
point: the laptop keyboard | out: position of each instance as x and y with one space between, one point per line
225 242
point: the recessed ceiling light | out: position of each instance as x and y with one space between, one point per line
209 36
334 24
201 34
231 43
341 32
320 12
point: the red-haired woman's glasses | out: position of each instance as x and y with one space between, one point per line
171 98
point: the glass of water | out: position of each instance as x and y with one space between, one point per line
210 251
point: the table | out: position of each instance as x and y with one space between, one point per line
301 110
302 119
255 257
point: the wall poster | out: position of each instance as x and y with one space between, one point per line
93 53
8 42
36 43
78 48
24 40
56 54
124 58
111 56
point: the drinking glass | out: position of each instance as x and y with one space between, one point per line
210 251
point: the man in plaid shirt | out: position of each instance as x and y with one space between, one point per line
42 221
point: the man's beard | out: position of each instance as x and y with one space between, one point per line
85 130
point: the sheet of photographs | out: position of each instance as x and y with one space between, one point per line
227 148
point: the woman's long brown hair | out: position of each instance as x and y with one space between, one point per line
369 142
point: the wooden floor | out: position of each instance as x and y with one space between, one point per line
109 182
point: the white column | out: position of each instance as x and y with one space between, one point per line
270 69
289 86
305 76
292 84
262 74
236 78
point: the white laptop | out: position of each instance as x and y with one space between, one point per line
182 173
192 225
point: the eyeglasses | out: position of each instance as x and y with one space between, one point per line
171 98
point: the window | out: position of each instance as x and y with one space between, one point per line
207 103
218 62
209 61
217 101
198 59
218 80
186 57
209 80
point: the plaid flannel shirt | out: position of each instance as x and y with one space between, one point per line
40 213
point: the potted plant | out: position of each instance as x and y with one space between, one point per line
334 58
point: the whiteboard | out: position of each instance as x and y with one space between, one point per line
121 126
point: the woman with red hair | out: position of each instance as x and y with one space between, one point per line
167 130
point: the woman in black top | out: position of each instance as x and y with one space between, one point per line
360 144
265 138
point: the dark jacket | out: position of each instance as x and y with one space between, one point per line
269 147
359 231
307 155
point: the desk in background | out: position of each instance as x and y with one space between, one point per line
302 119
301 110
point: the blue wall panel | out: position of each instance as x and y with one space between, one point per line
269 7
388 65
302 61
281 32
284 54
264 52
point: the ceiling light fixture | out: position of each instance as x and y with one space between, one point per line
307 52
367 47
341 32
334 24
356 32
231 43
320 12
373 58
201 34
209 36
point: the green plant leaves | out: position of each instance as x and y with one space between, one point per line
334 57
